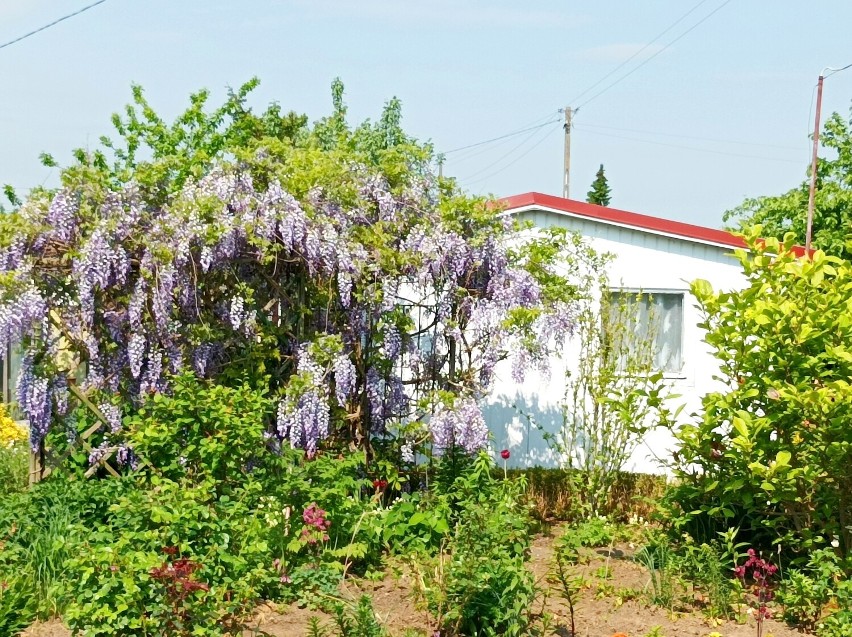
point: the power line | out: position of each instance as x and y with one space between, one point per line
47 26
494 139
507 154
695 137
651 57
833 71
515 160
472 154
702 150
640 51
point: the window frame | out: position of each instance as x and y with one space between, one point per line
673 375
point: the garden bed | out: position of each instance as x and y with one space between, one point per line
608 605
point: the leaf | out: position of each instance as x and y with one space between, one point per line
782 458
740 425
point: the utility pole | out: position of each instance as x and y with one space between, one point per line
812 191
567 126
826 72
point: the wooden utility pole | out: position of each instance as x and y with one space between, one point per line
567 126
812 189
826 72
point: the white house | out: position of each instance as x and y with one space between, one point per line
654 255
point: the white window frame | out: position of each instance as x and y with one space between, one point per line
681 373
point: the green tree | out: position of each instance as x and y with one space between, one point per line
600 193
832 224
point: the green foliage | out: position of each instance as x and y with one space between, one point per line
592 533
658 557
613 396
414 524
600 193
818 591
773 453
115 590
215 521
14 466
480 585
839 622
42 528
709 568
18 606
787 213
570 583
202 431
358 620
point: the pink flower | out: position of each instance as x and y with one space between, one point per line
505 454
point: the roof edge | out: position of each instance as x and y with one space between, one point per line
656 225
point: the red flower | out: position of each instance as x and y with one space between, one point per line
505 454
380 484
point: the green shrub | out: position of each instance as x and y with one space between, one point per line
218 520
40 529
772 454
817 593
482 585
174 559
414 524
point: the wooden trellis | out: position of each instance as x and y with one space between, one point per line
42 465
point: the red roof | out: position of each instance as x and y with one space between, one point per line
631 219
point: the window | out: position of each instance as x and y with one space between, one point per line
657 316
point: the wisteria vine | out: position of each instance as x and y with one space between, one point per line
373 301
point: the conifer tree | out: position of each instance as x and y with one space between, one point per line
600 192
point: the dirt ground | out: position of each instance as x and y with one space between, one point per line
600 612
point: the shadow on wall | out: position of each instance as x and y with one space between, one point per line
519 424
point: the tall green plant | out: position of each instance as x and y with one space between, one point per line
614 395
481 585
772 453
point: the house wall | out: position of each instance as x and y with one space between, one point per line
517 414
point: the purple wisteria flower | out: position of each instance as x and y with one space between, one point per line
462 425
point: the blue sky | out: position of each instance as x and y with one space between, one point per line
466 71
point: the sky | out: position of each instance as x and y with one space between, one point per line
719 110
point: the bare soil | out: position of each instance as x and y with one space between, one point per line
601 612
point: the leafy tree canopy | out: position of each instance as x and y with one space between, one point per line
787 213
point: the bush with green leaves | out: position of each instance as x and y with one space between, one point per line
40 529
818 594
772 452
218 540
414 523
481 585
217 521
